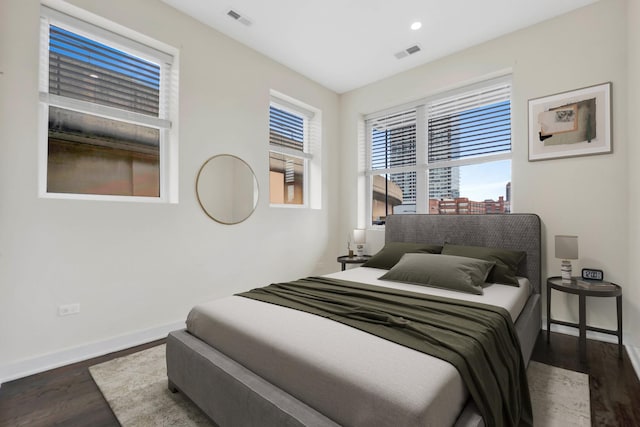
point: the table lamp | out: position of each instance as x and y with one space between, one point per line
566 250
359 238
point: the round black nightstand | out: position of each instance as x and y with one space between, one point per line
346 259
585 288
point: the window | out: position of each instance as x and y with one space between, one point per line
442 155
293 152
106 114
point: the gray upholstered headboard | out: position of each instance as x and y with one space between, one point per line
510 231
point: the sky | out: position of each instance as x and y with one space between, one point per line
485 181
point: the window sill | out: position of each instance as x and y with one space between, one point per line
288 206
104 198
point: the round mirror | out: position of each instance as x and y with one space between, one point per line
227 189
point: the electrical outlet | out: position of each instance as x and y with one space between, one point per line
65 310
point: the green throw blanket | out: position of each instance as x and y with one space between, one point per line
478 339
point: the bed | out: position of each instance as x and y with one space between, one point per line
242 373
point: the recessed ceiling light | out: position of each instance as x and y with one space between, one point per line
416 25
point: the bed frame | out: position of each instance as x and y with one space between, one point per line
231 395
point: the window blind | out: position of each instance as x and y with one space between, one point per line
393 140
393 145
286 130
84 69
477 123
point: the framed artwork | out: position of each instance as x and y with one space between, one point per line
568 124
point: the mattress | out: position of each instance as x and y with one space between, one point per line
352 377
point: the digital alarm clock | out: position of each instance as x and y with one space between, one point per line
592 274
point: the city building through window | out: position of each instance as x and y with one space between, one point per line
447 154
294 152
106 113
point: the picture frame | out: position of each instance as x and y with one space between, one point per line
569 124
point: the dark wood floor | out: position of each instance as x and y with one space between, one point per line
68 396
613 385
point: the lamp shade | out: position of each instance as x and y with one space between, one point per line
359 236
567 247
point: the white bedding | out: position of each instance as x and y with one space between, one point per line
354 378
509 297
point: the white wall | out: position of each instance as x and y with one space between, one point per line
586 196
632 292
138 266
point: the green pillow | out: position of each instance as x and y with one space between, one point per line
507 261
454 273
393 251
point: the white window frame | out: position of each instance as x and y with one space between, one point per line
101 30
423 166
311 154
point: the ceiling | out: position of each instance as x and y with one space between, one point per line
346 44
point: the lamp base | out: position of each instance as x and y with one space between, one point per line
359 249
565 270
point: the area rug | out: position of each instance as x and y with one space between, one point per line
559 397
135 386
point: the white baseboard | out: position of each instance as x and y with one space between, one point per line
43 363
39 364
568 330
633 352
634 355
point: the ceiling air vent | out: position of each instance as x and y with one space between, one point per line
408 51
238 17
